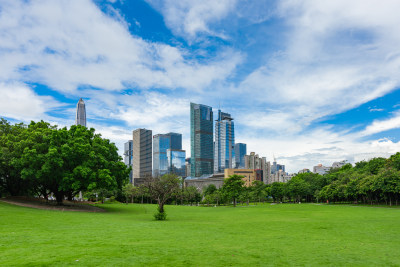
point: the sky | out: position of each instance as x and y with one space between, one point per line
308 81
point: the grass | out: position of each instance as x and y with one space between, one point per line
263 235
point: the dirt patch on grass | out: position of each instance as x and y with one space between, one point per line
39 203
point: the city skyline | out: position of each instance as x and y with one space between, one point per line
309 81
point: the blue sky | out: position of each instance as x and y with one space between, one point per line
307 81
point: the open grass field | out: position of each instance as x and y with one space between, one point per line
263 235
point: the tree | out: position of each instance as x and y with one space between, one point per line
66 161
162 189
258 190
192 194
277 191
233 187
210 189
130 191
11 148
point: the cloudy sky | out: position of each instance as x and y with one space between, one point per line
307 81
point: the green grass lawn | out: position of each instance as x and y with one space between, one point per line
279 235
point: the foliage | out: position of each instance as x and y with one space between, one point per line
163 188
233 187
63 161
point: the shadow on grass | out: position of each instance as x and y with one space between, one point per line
128 209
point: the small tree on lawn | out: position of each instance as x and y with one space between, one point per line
130 192
233 187
162 189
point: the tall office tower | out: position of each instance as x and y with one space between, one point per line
142 152
224 146
161 143
128 156
80 118
240 152
188 167
201 140
176 161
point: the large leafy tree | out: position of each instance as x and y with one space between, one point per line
66 161
233 187
10 152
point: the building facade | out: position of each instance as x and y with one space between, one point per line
240 152
128 156
80 118
224 146
249 175
176 162
161 143
320 169
201 140
142 153
255 162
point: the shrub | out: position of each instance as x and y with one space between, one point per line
160 216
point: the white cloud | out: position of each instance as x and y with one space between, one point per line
188 18
70 44
20 102
378 126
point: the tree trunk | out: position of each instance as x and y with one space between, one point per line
59 197
234 202
161 207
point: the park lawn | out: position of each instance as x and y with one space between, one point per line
262 235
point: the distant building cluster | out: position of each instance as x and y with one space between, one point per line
320 169
214 153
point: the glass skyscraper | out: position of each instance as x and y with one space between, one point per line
128 156
224 146
161 143
80 118
240 152
176 162
201 140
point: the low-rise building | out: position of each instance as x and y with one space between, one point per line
320 169
249 175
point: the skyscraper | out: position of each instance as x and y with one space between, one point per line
224 146
80 118
142 153
201 140
176 161
128 156
240 152
161 143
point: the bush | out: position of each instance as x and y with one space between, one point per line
160 216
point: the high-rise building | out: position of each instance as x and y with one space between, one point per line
128 156
176 161
161 143
80 118
142 153
254 162
240 152
224 146
188 167
201 140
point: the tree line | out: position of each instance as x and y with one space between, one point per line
40 159
376 181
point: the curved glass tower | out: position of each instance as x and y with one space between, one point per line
80 118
